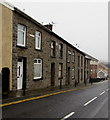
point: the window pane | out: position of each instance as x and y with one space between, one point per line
60 70
20 37
39 61
35 61
60 47
20 27
38 40
38 33
73 57
37 68
52 48
38 43
73 73
51 44
59 74
59 66
60 50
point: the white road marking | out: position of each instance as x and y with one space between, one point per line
107 89
102 93
67 116
90 101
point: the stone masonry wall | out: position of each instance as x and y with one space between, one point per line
31 53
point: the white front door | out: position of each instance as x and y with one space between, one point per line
20 75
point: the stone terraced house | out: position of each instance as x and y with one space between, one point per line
34 57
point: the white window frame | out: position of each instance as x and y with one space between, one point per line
24 39
37 62
37 37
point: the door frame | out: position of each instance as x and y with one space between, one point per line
52 74
19 70
24 60
68 74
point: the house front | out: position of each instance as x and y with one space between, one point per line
34 57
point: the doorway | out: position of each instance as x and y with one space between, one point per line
68 74
52 74
20 74
78 75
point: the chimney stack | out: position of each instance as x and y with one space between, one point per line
49 26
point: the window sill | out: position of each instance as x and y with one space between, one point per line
38 50
37 79
21 46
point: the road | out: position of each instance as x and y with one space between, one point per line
89 102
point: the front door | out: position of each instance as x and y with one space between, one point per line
20 74
78 75
68 75
52 74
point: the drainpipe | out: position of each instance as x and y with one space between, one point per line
24 88
24 92
60 83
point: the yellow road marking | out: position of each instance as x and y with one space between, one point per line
34 98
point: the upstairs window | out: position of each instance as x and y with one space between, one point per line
21 35
38 40
73 57
69 56
53 48
78 61
61 50
81 74
37 68
81 61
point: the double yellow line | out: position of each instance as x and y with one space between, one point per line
38 97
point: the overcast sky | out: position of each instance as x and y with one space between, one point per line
82 23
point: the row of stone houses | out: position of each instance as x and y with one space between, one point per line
34 57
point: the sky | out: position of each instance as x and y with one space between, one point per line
84 24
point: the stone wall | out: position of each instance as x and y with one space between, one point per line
30 53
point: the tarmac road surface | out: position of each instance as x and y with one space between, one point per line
89 102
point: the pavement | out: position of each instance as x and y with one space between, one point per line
6 98
89 101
